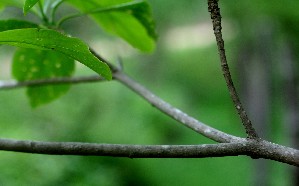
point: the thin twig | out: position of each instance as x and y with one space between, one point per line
6 85
216 18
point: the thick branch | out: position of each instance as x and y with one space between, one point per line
119 150
216 18
268 150
260 149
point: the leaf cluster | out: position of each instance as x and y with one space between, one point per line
45 51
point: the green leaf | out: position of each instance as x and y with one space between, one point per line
28 5
142 12
33 64
12 24
133 23
47 39
16 3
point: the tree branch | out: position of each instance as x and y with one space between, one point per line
216 18
6 85
121 150
261 149
268 150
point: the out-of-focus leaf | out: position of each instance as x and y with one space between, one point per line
12 24
47 39
28 5
143 13
133 23
33 64
56 2
16 3
47 5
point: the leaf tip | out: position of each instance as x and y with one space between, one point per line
107 74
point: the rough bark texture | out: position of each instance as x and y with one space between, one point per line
216 19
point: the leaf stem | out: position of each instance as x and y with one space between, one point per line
44 17
54 8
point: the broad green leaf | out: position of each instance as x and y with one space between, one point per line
132 23
33 64
12 24
47 39
28 5
142 12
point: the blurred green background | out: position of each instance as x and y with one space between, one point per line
184 70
